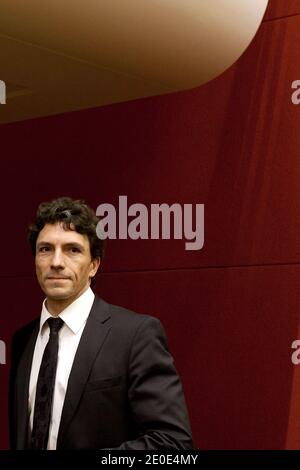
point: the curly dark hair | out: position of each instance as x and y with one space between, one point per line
74 215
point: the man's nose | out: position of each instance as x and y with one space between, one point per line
57 259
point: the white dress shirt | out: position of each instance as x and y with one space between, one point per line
74 317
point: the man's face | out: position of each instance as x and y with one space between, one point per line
63 262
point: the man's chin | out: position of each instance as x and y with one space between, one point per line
57 293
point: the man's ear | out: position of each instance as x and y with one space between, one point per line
95 266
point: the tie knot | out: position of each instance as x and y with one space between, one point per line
55 325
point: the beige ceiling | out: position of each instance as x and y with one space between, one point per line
65 55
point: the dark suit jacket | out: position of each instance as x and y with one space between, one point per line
123 390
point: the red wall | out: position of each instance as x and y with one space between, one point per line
231 310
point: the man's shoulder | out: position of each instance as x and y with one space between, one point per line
123 316
129 325
25 331
20 339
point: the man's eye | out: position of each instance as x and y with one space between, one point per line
44 248
75 250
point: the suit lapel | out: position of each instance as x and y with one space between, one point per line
23 377
93 336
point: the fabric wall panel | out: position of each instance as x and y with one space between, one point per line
230 331
279 9
231 145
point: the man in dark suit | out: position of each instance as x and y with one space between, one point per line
87 374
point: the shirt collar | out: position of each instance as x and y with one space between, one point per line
75 315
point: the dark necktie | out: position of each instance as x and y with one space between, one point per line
45 388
